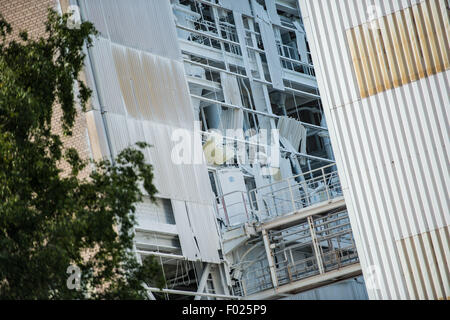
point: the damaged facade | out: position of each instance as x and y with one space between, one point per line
250 204
260 214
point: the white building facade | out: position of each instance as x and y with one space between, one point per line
250 205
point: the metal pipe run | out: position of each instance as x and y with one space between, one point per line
193 293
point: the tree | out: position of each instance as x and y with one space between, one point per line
50 221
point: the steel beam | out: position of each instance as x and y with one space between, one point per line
308 283
203 281
273 273
193 293
302 214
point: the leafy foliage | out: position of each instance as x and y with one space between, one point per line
49 220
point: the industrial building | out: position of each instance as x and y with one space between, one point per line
384 80
250 205
242 101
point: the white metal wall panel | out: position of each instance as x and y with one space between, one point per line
197 231
392 152
185 234
204 226
140 24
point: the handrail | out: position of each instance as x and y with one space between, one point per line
296 176
279 198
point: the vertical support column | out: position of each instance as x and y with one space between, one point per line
245 206
270 258
325 184
203 281
219 34
317 251
227 218
292 195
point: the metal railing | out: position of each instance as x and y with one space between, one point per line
255 278
295 256
206 33
279 198
290 59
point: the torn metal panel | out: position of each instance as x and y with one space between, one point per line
185 234
231 91
243 43
202 218
294 132
273 60
97 135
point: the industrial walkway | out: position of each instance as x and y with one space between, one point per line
303 224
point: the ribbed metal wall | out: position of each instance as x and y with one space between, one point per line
142 90
392 144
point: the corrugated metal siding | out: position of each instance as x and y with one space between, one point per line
143 90
392 149
140 24
400 48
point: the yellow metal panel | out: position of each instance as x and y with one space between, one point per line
398 46
405 36
383 61
442 29
431 31
415 43
357 63
390 52
423 38
409 44
121 64
369 36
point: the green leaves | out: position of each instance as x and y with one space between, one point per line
48 220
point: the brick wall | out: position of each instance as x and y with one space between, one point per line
30 15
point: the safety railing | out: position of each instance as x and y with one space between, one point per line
316 245
234 208
279 198
296 192
290 59
253 277
206 33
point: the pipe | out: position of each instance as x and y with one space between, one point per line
193 293
100 102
